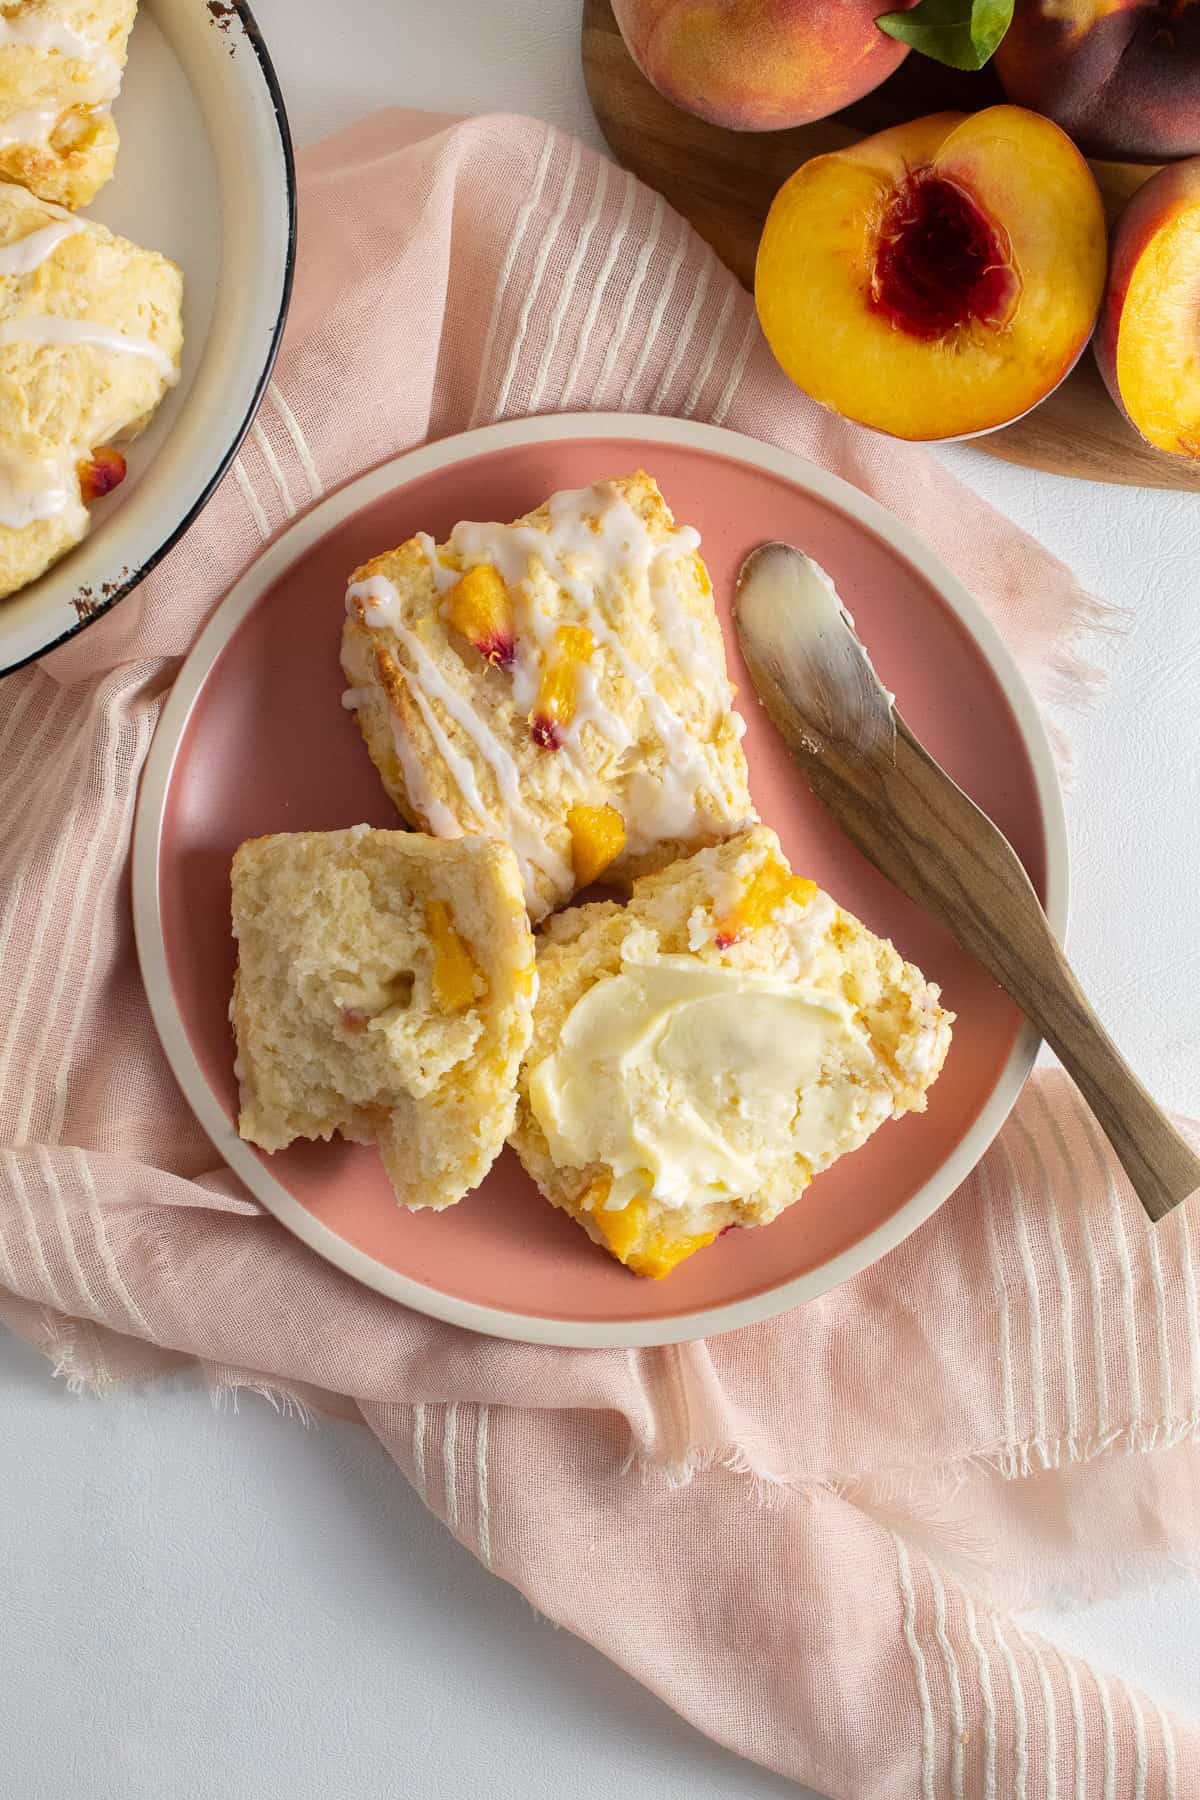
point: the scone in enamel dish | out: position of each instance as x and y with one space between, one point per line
91 336
147 223
61 63
752 1066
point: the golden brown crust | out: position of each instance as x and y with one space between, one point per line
69 170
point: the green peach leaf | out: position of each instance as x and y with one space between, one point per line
961 33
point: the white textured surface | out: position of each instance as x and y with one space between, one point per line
200 1605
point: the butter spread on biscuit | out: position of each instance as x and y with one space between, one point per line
690 1080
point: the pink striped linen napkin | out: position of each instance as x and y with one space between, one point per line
812 1537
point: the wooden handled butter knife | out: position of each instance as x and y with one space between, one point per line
917 826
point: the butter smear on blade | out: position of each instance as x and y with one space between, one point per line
692 1081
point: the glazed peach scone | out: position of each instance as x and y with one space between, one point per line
558 683
384 990
90 340
701 1053
61 63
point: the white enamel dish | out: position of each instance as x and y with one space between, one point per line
205 175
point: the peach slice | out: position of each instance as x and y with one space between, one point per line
479 608
558 690
1147 344
597 839
100 473
757 65
939 279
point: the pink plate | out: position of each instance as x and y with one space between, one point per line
254 739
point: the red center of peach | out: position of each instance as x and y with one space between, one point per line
940 262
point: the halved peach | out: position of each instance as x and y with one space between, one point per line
939 279
1147 342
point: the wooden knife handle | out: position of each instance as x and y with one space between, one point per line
911 820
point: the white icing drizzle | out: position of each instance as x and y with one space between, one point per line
33 126
381 606
524 669
433 810
527 838
380 602
533 649
31 490
48 328
461 767
594 540
27 253
693 656
44 33
525 673
437 815
590 709
659 807
54 36
443 578
656 812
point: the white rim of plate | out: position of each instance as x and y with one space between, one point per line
147 918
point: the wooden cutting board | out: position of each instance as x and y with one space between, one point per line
724 181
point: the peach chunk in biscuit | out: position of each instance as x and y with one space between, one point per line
102 471
479 608
597 839
769 888
558 689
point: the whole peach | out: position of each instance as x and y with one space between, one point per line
1122 76
759 65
